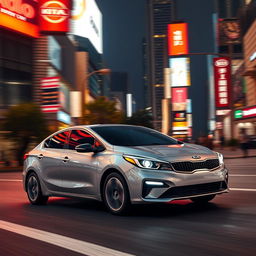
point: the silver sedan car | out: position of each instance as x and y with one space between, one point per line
122 165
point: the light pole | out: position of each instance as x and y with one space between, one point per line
85 90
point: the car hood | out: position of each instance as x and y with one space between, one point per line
183 152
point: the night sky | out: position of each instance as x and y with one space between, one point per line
124 26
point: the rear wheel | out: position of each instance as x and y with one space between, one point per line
34 191
203 199
115 194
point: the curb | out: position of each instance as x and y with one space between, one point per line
236 157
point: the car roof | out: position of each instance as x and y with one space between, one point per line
100 125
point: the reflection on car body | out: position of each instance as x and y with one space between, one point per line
122 165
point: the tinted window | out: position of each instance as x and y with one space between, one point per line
57 141
132 136
78 137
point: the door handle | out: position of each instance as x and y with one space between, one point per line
66 159
40 156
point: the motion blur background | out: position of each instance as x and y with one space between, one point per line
157 63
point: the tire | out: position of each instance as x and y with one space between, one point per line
203 199
115 194
34 191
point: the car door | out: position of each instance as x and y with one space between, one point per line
79 171
51 159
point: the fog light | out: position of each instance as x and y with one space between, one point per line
154 183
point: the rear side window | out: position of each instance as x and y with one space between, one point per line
78 137
57 141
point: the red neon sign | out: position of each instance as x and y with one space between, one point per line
20 16
54 16
178 39
222 80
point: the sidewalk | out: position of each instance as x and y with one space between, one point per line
236 153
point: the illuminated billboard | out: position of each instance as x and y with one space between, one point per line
87 22
20 16
54 16
178 39
50 94
179 99
179 121
180 72
222 81
229 31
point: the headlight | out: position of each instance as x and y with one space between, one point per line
148 163
221 160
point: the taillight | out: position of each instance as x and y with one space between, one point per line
25 156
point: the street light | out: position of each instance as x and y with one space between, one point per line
78 98
103 71
85 90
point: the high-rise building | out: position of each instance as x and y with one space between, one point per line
229 8
160 14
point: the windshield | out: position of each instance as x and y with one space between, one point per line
132 136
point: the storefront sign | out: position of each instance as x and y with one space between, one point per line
180 71
50 94
238 114
222 80
222 112
178 39
245 113
20 16
179 99
54 16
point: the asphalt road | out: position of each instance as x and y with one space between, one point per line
226 226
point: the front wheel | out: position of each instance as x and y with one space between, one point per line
34 191
203 199
115 194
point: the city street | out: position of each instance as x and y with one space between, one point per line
226 226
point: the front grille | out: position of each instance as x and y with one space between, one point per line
191 166
193 190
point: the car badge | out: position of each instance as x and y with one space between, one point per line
196 157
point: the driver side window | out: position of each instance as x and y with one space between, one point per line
78 137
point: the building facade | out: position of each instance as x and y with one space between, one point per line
160 14
245 118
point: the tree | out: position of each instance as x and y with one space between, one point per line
102 111
141 117
26 124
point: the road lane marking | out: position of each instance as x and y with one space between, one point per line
72 244
244 189
11 180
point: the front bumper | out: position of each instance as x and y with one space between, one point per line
165 186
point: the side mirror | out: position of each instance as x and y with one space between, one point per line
83 148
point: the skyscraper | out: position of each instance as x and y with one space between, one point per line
160 14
